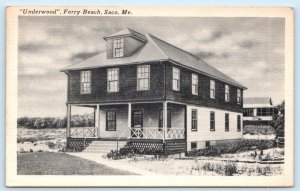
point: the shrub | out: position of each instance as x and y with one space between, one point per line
50 144
85 120
240 146
126 152
230 169
266 170
114 155
227 169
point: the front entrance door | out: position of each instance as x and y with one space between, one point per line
137 123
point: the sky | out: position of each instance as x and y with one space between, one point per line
249 50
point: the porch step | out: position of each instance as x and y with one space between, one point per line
103 146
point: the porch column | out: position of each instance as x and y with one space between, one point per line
165 119
97 120
129 116
68 120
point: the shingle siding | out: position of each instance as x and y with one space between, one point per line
203 98
127 85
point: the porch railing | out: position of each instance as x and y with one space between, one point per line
153 133
83 132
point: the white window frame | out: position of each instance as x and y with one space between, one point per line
85 79
141 77
177 79
239 96
227 93
195 81
109 79
194 118
118 44
212 89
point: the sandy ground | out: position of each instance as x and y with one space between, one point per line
148 165
53 140
41 140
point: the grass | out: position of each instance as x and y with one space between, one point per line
61 164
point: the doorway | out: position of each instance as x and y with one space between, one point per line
137 123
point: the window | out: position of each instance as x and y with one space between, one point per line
212 88
265 111
194 120
226 121
248 112
176 79
85 81
118 47
227 93
143 77
111 120
207 144
238 123
193 145
212 121
195 84
113 80
239 96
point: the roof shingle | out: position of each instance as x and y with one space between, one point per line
155 49
258 100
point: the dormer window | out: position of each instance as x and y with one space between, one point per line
118 47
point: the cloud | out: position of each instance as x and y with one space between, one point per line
82 56
30 47
239 47
208 55
248 44
209 35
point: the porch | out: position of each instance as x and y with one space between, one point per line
158 124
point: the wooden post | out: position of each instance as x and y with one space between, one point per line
129 119
165 119
68 120
97 122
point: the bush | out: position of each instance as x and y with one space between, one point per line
240 146
114 155
126 152
50 144
228 169
85 120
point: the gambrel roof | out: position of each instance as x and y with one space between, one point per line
154 49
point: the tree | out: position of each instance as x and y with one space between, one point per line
278 120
